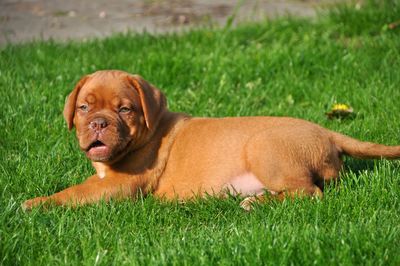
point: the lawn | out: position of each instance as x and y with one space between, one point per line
285 67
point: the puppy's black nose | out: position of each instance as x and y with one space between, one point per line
98 124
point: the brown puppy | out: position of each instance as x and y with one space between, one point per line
135 143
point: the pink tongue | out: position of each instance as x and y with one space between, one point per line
99 150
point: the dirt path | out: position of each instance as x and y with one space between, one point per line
24 20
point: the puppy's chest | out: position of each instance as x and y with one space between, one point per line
101 170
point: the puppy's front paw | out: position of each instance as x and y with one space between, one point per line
29 204
247 203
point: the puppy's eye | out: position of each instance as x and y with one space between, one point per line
84 107
124 110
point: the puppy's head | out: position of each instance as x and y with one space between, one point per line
113 112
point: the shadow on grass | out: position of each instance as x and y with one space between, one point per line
358 165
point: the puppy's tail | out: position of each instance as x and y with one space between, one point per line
364 150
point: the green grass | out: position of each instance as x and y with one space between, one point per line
286 67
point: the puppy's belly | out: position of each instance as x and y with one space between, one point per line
245 184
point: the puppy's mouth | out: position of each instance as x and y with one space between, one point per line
96 144
97 149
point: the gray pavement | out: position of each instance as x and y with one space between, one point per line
25 20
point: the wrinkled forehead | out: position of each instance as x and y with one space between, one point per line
107 88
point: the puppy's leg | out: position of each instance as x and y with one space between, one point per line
248 203
91 191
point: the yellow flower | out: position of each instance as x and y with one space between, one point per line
340 110
341 107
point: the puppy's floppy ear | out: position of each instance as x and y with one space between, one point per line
69 107
152 100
